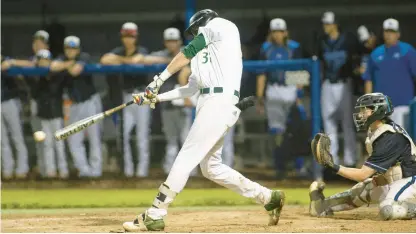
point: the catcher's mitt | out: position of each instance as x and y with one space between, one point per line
321 150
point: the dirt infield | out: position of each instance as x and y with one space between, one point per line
198 219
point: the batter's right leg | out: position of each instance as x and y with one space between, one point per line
6 151
202 137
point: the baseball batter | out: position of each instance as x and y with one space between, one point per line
216 64
387 177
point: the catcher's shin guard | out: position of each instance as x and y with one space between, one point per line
355 197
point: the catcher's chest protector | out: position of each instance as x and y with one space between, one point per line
372 136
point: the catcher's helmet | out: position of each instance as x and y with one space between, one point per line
200 19
371 107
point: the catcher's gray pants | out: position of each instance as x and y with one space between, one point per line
139 117
11 123
336 101
176 124
50 146
77 112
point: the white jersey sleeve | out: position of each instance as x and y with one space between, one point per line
183 92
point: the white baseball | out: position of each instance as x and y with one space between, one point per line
39 136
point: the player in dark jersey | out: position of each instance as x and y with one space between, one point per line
139 117
49 89
83 95
387 177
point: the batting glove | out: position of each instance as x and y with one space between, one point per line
141 99
153 88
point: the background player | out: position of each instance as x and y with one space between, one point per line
11 123
81 91
336 50
392 160
131 53
280 97
393 59
216 64
176 119
49 91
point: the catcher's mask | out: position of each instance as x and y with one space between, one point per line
200 19
371 107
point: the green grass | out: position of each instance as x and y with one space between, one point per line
107 198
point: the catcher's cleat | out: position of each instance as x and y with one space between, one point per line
317 198
275 206
144 223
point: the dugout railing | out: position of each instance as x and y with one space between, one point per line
309 65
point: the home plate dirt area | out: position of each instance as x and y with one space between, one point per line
200 219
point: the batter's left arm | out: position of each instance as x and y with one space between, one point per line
182 59
182 92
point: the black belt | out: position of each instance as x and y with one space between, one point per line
217 90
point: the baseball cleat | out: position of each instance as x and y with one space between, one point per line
144 223
275 206
317 198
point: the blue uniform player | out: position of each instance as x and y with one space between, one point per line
280 96
335 51
388 176
391 70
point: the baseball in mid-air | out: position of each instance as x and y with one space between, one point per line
39 136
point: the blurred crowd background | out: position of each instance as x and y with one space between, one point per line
363 47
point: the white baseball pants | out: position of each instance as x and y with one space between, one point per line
216 113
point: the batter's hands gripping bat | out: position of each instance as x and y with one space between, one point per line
69 130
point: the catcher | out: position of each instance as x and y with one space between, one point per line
387 177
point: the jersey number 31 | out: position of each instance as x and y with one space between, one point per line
205 57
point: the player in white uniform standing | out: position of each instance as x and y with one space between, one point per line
216 64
